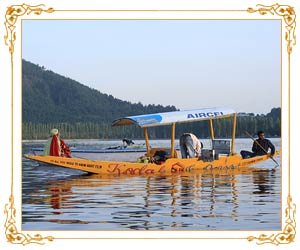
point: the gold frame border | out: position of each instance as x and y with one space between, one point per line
289 16
285 11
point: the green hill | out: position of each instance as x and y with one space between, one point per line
52 98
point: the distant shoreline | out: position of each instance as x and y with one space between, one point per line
100 140
74 140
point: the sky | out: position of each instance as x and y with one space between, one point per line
186 63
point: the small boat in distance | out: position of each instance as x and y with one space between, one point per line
128 146
221 157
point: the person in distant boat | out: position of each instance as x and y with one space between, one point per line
127 142
260 146
190 146
55 146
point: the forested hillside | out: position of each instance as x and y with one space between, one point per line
50 100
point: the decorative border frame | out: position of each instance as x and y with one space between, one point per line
14 12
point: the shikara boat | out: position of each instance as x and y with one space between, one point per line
221 157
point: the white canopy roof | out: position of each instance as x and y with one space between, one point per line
166 118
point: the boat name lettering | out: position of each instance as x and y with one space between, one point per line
179 167
83 165
116 169
93 166
162 169
204 115
190 168
67 163
212 167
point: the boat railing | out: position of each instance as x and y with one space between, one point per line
221 146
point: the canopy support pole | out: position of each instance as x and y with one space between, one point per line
147 141
212 134
233 133
173 140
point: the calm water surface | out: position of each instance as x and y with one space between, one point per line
55 198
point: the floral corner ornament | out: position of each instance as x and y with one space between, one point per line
11 17
11 231
289 231
289 17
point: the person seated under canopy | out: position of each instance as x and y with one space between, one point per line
55 146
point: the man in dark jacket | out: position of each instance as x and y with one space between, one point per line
260 147
264 143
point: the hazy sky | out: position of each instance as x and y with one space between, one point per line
186 63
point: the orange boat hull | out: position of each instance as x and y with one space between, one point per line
173 165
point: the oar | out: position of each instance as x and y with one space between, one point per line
277 165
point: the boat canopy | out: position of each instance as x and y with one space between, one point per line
166 118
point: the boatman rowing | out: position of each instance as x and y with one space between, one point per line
260 147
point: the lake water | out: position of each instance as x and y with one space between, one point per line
55 198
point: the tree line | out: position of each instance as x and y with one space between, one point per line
104 130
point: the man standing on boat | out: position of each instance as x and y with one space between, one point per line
55 146
190 146
260 146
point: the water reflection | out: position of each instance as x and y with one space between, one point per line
264 181
59 198
143 203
